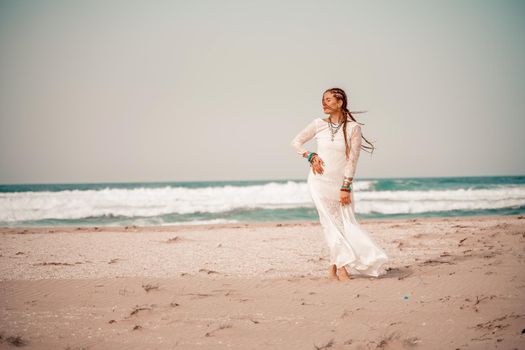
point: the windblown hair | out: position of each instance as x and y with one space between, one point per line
341 95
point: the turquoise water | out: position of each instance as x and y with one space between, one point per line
166 203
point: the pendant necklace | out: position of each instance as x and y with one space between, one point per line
333 128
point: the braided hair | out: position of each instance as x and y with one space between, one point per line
341 95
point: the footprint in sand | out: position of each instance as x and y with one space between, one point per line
148 287
473 304
138 309
400 273
222 326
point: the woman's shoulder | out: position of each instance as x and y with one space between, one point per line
317 121
313 124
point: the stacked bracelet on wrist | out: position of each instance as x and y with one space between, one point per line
347 184
310 156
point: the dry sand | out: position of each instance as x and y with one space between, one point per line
452 283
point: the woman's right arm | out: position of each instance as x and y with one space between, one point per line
302 137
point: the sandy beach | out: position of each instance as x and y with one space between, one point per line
452 283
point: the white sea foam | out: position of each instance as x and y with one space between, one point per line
148 203
413 202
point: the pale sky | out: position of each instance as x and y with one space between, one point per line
131 91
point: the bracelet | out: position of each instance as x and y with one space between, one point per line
347 181
347 188
310 156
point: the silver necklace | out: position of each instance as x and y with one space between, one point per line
334 128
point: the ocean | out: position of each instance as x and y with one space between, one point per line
169 203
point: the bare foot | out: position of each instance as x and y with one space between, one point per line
333 273
343 274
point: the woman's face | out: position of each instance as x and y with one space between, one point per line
330 103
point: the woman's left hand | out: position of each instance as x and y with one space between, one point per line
345 198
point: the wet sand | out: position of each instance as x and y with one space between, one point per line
452 283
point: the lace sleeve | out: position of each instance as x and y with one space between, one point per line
355 149
304 136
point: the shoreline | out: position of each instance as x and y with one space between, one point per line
175 227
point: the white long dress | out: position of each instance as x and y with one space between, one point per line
349 244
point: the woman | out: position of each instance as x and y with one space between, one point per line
330 185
